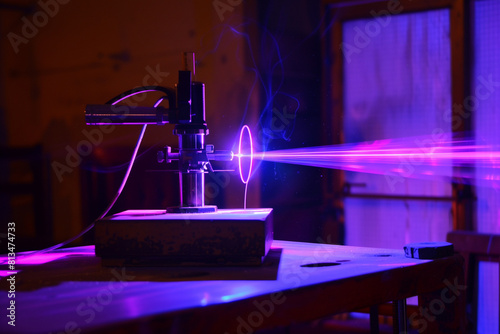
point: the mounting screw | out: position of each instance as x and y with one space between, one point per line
160 156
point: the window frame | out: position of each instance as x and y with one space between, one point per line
335 13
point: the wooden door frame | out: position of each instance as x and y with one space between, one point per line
335 13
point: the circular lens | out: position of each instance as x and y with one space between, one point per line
245 154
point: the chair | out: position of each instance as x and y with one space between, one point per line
474 247
25 174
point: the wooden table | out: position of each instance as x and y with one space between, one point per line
68 291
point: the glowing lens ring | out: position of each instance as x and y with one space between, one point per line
240 154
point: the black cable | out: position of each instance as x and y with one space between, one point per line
169 92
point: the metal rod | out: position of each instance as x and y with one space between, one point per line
192 189
97 114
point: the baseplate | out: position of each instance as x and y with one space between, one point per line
155 238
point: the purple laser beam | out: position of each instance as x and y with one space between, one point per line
417 157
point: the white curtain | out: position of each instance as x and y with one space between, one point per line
397 85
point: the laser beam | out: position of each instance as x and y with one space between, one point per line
416 157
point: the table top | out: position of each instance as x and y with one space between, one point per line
67 290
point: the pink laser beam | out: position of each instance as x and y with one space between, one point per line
445 158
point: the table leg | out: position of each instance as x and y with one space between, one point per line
374 325
442 311
399 316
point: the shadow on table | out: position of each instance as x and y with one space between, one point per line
85 266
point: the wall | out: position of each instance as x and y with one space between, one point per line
62 55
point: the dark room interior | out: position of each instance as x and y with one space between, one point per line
372 136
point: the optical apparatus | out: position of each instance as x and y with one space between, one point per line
191 233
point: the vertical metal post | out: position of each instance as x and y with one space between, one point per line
374 325
191 174
399 316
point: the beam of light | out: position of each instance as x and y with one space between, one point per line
416 157
6 273
238 292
